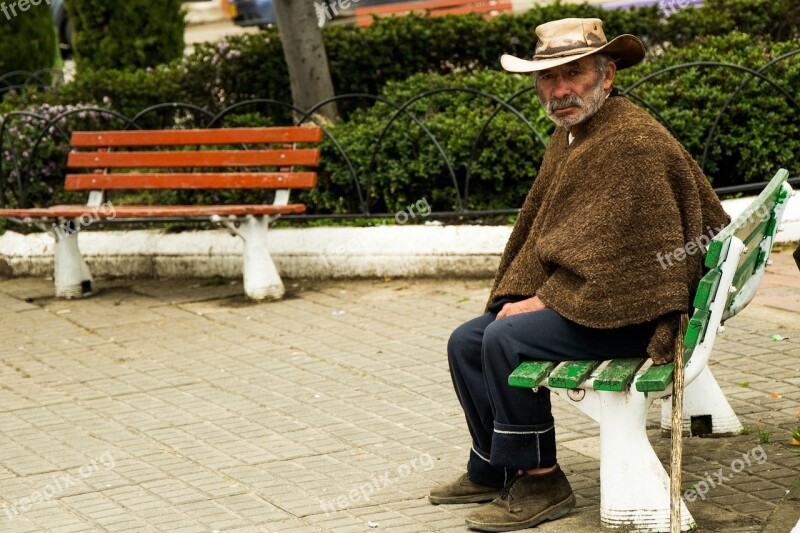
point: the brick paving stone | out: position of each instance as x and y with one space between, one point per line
224 414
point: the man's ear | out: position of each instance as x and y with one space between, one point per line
608 81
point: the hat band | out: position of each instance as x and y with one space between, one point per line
570 52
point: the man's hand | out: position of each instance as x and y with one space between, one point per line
523 306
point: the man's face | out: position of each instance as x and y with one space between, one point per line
573 92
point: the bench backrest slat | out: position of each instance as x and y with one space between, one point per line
228 158
707 289
111 139
432 7
197 180
193 159
427 5
746 225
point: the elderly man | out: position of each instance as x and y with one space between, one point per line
579 277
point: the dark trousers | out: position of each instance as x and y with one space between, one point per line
513 427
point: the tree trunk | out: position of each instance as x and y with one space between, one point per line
304 51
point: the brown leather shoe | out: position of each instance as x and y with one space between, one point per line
462 490
524 502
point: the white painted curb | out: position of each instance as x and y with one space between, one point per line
332 252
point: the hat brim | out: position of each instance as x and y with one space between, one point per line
627 51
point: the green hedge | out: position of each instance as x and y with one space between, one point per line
27 39
408 166
760 130
126 34
401 57
393 49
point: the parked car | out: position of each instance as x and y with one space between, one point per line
62 24
251 12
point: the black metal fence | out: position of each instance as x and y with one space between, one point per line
16 161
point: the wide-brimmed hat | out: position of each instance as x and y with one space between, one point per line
565 40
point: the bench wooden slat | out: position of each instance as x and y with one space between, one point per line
655 378
530 374
484 8
153 211
707 288
110 139
405 7
746 223
571 374
364 15
746 268
199 180
696 329
658 377
193 159
618 374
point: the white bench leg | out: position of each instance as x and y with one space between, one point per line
634 488
261 278
703 397
71 274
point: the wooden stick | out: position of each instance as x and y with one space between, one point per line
677 433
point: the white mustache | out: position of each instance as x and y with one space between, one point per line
567 101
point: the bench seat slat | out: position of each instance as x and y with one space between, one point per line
199 180
618 374
110 139
193 159
655 378
530 374
572 373
658 377
153 211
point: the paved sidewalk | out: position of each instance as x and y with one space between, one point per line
179 406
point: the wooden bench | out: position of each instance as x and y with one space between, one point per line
490 8
634 488
179 159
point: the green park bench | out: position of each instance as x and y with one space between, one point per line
634 487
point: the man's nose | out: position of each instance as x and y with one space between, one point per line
561 89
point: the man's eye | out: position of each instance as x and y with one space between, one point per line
575 73
546 77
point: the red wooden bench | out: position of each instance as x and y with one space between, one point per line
490 8
172 159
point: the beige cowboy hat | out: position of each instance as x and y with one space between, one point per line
565 40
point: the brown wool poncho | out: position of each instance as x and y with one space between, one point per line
598 214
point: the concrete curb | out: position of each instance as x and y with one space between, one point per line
326 252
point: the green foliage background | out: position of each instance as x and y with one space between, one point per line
126 34
398 58
27 40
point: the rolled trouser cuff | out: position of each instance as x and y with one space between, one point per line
524 447
481 471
